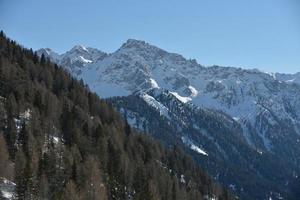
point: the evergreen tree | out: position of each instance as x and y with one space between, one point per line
11 130
70 192
43 60
20 179
5 165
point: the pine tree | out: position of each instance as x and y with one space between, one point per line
70 192
43 190
141 185
5 167
43 60
20 179
11 130
94 187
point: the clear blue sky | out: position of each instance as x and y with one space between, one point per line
262 34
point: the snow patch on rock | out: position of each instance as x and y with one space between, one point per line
192 146
181 98
156 104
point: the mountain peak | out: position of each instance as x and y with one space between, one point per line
45 51
48 53
48 49
79 48
134 43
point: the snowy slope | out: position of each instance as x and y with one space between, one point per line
75 59
7 189
288 78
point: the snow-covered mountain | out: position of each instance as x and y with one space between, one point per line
75 59
265 106
288 78
248 96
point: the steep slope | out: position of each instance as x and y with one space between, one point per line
66 143
265 107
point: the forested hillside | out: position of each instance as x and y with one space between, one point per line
60 141
215 142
